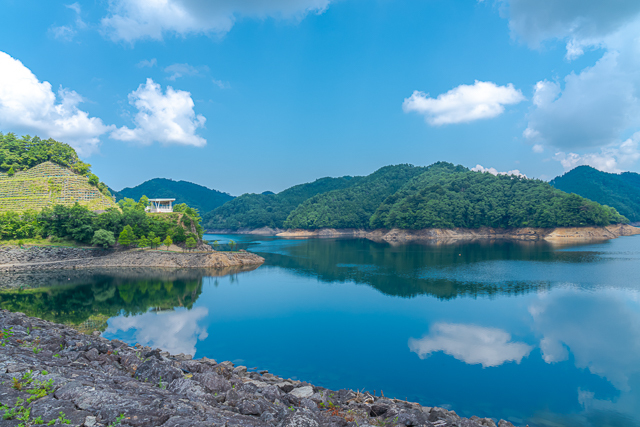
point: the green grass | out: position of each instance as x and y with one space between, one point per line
44 242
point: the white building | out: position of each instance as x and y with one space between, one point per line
161 205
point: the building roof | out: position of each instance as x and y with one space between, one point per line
162 200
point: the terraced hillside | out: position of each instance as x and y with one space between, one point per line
48 184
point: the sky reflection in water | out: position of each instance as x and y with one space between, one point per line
525 332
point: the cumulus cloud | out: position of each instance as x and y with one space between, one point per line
465 103
494 171
168 118
613 158
471 344
131 20
597 106
576 20
30 106
68 32
175 332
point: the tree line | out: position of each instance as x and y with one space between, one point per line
129 225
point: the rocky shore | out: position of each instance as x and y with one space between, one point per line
443 235
13 258
53 375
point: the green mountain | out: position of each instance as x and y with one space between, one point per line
196 196
352 207
620 191
446 197
268 209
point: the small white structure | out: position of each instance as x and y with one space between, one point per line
160 205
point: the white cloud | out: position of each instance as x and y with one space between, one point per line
168 118
221 84
465 103
180 70
471 344
594 107
538 148
613 158
147 63
131 20
30 106
538 20
494 171
175 332
63 32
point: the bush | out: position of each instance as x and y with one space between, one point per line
103 238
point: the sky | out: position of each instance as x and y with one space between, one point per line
255 95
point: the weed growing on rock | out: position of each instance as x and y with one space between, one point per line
118 421
5 335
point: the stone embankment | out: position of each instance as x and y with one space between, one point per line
45 258
52 373
554 235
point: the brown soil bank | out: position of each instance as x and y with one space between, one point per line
560 234
41 258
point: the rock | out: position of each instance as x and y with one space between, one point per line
300 419
503 423
302 392
213 382
89 421
156 372
378 410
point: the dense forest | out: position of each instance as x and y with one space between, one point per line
268 209
353 206
448 197
18 154
404 196
197 196
620 191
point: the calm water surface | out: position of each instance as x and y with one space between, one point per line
522 331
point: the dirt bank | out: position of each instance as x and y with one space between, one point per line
395 235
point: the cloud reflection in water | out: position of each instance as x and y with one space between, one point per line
471 344
175 331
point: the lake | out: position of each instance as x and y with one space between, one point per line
524 331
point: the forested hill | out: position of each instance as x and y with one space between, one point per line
446 198
353 206
621 191
268 209
196 196
404 196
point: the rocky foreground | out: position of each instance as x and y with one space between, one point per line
53 375
13 258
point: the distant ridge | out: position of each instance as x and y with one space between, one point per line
48 184
196 196
620 191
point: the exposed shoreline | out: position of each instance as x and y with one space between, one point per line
555 235
94 382
46 258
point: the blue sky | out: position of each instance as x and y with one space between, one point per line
252 95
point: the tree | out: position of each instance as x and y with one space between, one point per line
127 236
11 172
232 244
93 179
103 238
156 242
215 245
143 242
191 243
167 242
